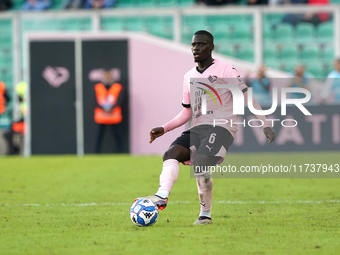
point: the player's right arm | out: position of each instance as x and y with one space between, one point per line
156 132
182 118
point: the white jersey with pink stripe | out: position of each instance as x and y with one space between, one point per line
219 101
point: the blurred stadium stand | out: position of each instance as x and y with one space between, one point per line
234 27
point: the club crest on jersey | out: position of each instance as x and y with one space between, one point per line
212 79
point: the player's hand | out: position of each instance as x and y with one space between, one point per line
156 132
269 133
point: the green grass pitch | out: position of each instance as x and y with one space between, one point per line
69 205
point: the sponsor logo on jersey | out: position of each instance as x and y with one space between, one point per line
212 79
209 93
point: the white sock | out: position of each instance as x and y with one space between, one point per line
205 213
163 193
205 192
168 177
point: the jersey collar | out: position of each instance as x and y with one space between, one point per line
202 71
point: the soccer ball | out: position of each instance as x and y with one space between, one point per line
143 212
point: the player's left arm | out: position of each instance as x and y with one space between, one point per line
237 81
267 130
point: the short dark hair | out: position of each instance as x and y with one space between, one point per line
204 32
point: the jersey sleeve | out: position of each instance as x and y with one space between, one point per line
233 77
186 93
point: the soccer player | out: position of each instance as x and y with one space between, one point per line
203 144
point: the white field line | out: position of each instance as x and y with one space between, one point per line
177 202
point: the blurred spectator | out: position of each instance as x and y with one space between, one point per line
257 2
99 4
314 18
295 18
36 5
331 88
293 2
108 113
4 98
214 2
5 5
318 17
277 2
74 4
260 85
300 79
17 127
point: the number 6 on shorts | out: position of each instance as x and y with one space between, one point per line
212 138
